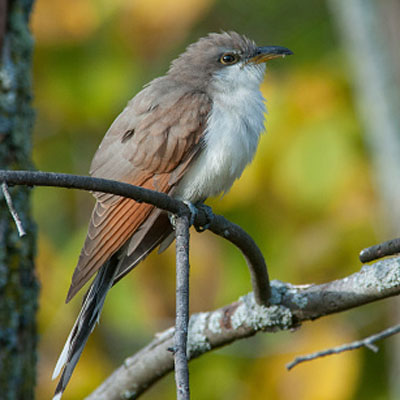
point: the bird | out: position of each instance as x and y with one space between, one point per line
189 134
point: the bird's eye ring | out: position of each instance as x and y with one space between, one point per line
229 58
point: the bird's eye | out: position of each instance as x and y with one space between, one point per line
229 58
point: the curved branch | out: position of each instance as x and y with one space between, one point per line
254 258
290 305
219 225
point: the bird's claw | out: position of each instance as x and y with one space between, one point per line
172 349
209 216
193 214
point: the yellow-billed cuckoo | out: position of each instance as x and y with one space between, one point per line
189 134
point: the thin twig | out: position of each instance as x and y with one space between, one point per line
182 308
220 226
13 211
388 248
367 342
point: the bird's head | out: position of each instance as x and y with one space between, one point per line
226 58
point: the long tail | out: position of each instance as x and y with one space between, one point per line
157 230
84 325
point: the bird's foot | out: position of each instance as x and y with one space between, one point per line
194 210
172 349
209 217
193 214
172 220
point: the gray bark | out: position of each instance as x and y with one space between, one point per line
18 285
182 308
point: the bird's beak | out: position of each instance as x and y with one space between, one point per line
267 53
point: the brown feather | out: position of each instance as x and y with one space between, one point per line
111 231
164 142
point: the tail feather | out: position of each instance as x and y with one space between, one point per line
151 234
84 325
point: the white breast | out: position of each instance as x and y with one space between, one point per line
231 138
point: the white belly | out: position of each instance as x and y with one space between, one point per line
231 138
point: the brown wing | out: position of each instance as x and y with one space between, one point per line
150 144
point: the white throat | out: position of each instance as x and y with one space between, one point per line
232 134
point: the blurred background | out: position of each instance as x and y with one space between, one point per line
324 184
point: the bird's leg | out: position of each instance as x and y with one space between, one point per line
193 211
209 217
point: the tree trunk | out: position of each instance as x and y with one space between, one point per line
18 285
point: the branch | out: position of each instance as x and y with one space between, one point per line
290 306
13 211
219 225
388 248
182 307
367 342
